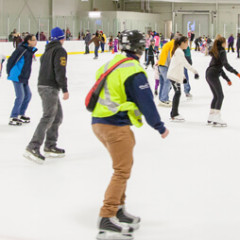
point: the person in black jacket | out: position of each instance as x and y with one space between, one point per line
19 68
87 40
52 78
238 44
214 71
151 52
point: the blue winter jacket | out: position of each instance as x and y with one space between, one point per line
19 65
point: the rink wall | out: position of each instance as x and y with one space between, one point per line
72 47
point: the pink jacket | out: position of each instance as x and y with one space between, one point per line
157 40
147 42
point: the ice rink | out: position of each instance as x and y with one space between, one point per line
185 187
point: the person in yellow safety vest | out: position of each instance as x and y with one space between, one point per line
165 85
125 96
103 39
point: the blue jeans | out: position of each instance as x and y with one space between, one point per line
165 84
102 46
96 51
23 97
187 87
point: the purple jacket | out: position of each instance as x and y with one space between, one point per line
231 39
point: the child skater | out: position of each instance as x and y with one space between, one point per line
157 78
151 52
213 72
176 74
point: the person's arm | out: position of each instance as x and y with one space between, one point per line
223 58
139 92
60 62
14 58
186 64
223 74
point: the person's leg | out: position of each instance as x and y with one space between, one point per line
152 61
19 92
52 132
187 87
26 100
164 97
50 99
176 99
119 141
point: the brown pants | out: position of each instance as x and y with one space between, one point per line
119 142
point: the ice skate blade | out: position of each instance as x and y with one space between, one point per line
31 157
219 125
109 235
54 155
15 124
135 226
177 120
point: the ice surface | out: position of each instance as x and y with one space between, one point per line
184 188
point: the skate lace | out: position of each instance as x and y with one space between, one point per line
116 222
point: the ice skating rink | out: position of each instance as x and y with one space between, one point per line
184 188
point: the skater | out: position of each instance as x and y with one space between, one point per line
115 44
214 71
103 40
2 59
165 85
157 78
96 40
238 45
147 44
125 94
87 40
187 87
151 52
230 43
198 42
52 78
176 74
19 68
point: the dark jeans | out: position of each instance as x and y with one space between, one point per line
150 60
146 54
102 46
51 119
238 52
230 46
216 88
96 51
23 97
176 98
86 49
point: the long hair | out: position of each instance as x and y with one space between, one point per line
178 41
27 38
216 46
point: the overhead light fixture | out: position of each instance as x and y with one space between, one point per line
94 14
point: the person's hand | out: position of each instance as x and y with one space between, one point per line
184 80
165 134
65 96
229 83
196 76
238 75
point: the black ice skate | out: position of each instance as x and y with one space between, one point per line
124 217
34 155
24 119
15 122
54 152
112 229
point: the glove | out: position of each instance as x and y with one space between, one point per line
184 80
238 75
196 76
229 83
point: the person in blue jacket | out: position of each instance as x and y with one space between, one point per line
19 68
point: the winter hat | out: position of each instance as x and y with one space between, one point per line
57 34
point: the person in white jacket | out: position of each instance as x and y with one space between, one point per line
176 73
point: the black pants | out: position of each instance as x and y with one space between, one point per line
176 98
213 80
230 46
150 60
87 49
146 55
197 48
238 52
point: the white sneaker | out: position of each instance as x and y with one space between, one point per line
165 104
177 118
